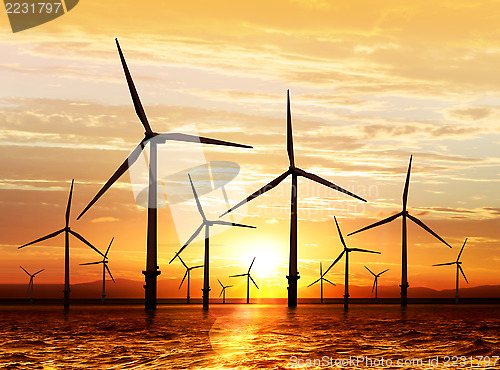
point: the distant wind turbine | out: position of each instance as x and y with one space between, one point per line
205 223
293 274
67 231
459 267
321 279
248 280
404 214
104 269
188 275
375 282
223 291
154 139
30 285
346 251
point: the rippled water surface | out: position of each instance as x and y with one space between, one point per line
247 336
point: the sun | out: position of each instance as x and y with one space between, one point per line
268 259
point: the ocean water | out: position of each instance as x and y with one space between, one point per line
240 336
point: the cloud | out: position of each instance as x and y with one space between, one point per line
104 219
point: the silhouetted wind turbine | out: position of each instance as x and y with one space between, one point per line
205 223
459 267
104 269
152 270
248 280
188 274
375 282
321 278
30 285
293 274
404 214
346 251
67 231
223 291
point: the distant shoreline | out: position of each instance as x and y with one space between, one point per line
263 301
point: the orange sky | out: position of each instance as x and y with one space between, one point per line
370 82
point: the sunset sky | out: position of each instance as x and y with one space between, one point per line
370 82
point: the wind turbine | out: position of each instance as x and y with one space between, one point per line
248 280
104 269
404 214
321 278
67 231
293 274
154 139
346 251
459 267
223 291
188 274
30 285
205 223
375 282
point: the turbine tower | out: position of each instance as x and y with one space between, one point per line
346 251
104 269
188 274
30 285
293 274
223 291
205 223
459 268
152 270
404 254
321 279
248 280
67 231
375 282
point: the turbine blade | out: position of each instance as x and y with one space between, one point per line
195 234
340 233
25 270
374 282
380 273
334 262
226 223
42 238
198 204
220 283
251 264
407 185
90 263
462 271
426 228
261 191
200 139
378 223
461 250
68 207
322 181
133 92
253 281
195 267
85 241
289 132
109 272
314 282
222 291
119 172
362 250
238 275
370 271
179 257
445 264
183 279
328 281
109 246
